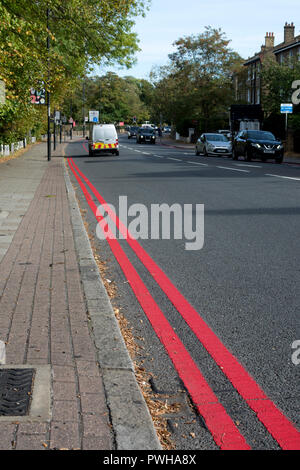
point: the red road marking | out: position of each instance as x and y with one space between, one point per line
224 431
282 430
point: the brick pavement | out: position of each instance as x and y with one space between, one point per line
43 320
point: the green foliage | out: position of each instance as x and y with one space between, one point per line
197 83
277 82
117 99
81 34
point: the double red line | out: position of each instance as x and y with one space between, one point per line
223 429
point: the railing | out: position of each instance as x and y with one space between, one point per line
9 149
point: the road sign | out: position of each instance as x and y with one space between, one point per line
286 108
94 116
57 117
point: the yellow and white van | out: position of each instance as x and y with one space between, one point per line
103 139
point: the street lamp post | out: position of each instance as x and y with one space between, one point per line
48 92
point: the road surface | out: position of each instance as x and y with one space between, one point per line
216 324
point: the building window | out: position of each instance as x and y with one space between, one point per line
249 96
258 96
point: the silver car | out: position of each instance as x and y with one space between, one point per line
213 144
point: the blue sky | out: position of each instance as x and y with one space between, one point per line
245 23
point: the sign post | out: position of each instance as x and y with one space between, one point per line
56 123
286 108
71 120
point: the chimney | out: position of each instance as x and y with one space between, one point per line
269 40
289 32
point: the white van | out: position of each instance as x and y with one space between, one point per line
103 139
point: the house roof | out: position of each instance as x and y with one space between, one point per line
255 58
276 50
284 45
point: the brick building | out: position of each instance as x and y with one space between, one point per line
248 85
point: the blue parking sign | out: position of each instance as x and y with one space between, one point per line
286 108
94 116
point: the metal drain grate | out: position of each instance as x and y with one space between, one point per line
15 391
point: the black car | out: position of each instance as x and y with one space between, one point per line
132 131
257 144
145 134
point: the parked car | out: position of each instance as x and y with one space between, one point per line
132 131
213 144
103 138
257 144
146 134
167 130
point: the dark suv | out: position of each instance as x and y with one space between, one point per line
145 134
257 144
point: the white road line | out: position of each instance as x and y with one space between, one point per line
232 169
285 177
250 166
197 163
175 159
158 156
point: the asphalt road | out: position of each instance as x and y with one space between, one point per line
243 284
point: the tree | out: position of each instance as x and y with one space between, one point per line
197 83
277 80
82 33
116 99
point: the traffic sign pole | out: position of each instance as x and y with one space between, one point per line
286 108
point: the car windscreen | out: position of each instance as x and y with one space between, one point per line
260 135
147 131
216 138
101 133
